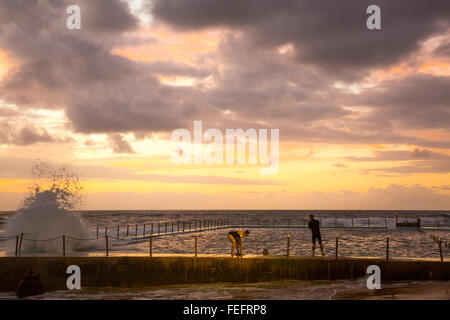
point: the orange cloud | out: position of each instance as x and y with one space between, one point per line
5 63
182 47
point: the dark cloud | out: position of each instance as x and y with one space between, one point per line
420 167
26 135
107 16
421 154
443 50
416 161
53 62
398 155
264 85
171 68
418 101
198 14
100 91
253 84
119 144
35 16
328 34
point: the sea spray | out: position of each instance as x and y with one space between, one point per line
47 212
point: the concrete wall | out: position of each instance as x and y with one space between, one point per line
143 271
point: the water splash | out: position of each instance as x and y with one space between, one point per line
46 212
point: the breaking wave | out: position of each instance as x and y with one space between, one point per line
47 212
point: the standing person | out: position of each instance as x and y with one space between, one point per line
235 238
314 225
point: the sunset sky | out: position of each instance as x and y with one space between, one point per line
364 115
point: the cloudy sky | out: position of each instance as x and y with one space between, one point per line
364 115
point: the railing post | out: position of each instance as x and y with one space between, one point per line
159 228
240 244
151 231
166 228
106 245
64 245
288 245
118 232
17 246
189 225
135 233
337 247
172 227
196 241
97 232
385 223
335 222
387 248
20 244
440 250
106 230
151 245
128 228
352 222
273 222
143 232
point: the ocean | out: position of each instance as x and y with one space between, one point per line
366 238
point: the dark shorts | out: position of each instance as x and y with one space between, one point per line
318 237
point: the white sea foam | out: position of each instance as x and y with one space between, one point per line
46 213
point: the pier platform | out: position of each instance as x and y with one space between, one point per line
140 271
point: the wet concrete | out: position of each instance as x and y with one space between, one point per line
145 271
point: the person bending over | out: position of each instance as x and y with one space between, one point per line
235 238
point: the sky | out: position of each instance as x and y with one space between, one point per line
363 115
